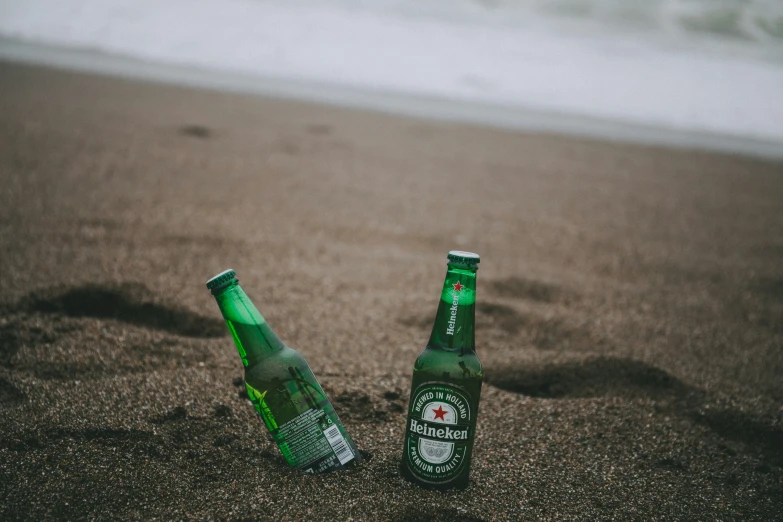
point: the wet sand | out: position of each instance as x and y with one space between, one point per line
629 314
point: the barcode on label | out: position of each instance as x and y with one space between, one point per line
339 445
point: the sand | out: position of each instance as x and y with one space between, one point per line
629 314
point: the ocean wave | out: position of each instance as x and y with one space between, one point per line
702 21
689 65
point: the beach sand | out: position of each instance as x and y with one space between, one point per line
629 313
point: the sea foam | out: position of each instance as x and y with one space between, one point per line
679 65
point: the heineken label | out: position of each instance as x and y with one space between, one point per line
438 432
454 307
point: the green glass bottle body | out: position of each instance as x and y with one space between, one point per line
282 387
446 387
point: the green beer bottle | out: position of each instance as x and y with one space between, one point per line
282 387
446 386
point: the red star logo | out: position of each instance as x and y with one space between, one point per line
458 286
440 413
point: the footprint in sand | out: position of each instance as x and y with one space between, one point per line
592 377
621 377
10 394
528 289
130 303
195 131
55 316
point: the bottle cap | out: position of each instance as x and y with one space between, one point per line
463 259
222 279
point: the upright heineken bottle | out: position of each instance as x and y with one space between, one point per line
446 386
282 387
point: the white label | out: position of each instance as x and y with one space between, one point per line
340 447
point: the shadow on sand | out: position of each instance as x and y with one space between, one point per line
620 377
129 302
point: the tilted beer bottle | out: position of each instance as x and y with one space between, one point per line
446 386
282 387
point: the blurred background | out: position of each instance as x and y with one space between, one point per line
712 69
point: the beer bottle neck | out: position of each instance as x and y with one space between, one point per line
455 322
253 337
